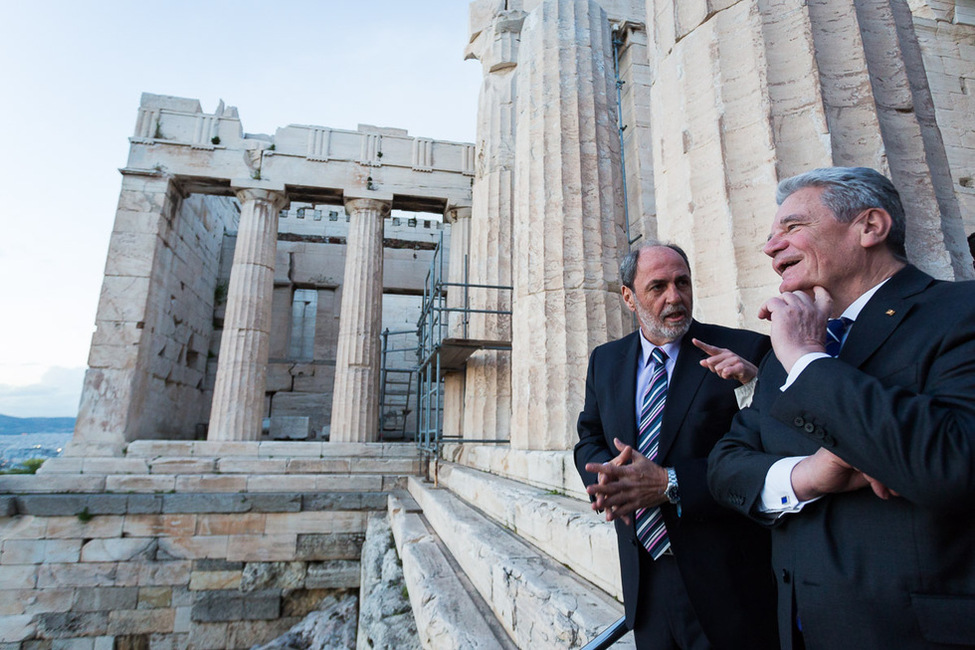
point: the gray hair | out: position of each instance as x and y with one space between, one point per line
848 191
629 263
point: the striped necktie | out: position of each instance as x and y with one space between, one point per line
835 330
650 527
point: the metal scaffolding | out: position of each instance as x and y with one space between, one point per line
440 353
396 382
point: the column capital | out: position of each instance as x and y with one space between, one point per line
355 204
254 190
455 213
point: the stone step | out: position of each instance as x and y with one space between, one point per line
187 465
564 528
268 449
448 613
58 505
216 483
540 602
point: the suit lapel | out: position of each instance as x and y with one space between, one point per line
625 390
684 384
882 314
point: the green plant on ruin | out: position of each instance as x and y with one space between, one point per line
158 134
215 139
220 293
29 466
256 174
84 516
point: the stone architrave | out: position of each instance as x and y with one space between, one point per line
237 411
459 219
355 397
487 391
568 229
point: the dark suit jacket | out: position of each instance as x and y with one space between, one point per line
723 558
899 404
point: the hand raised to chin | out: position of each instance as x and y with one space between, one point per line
798 323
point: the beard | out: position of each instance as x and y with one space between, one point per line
658 329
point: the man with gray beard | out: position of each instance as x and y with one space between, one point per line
695 575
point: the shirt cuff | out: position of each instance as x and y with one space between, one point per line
800 365
778 497
745 392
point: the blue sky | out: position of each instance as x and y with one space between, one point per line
71 75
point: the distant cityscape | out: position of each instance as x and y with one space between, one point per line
23 439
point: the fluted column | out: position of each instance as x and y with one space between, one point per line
568 232
355 398
459 219
487 392
237 410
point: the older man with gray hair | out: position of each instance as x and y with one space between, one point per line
859 448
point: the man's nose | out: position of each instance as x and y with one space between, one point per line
773 245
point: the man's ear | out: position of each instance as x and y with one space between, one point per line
628 298
875 226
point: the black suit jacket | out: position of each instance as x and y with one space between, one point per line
899 404
723 558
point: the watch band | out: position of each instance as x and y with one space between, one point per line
672 492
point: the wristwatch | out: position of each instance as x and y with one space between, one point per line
672 492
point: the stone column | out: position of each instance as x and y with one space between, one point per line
568 230
780 87
459 219
715 150
913 139
487 393
238 408
355 397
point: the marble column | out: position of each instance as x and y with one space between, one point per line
355 397
568 224
237 411
459 218
487 391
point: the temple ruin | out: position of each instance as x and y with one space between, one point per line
234 464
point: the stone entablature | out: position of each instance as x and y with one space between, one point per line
174 135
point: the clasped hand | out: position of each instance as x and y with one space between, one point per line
826 473
628 482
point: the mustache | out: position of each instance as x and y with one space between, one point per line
674 311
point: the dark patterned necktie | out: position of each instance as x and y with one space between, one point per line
650 527
835 330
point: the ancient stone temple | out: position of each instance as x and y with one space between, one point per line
249 276
231 480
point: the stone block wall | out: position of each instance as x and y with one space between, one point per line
182 323
173 570
155 315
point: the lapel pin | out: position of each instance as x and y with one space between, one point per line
890 312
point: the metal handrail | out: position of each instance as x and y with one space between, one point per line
609 636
